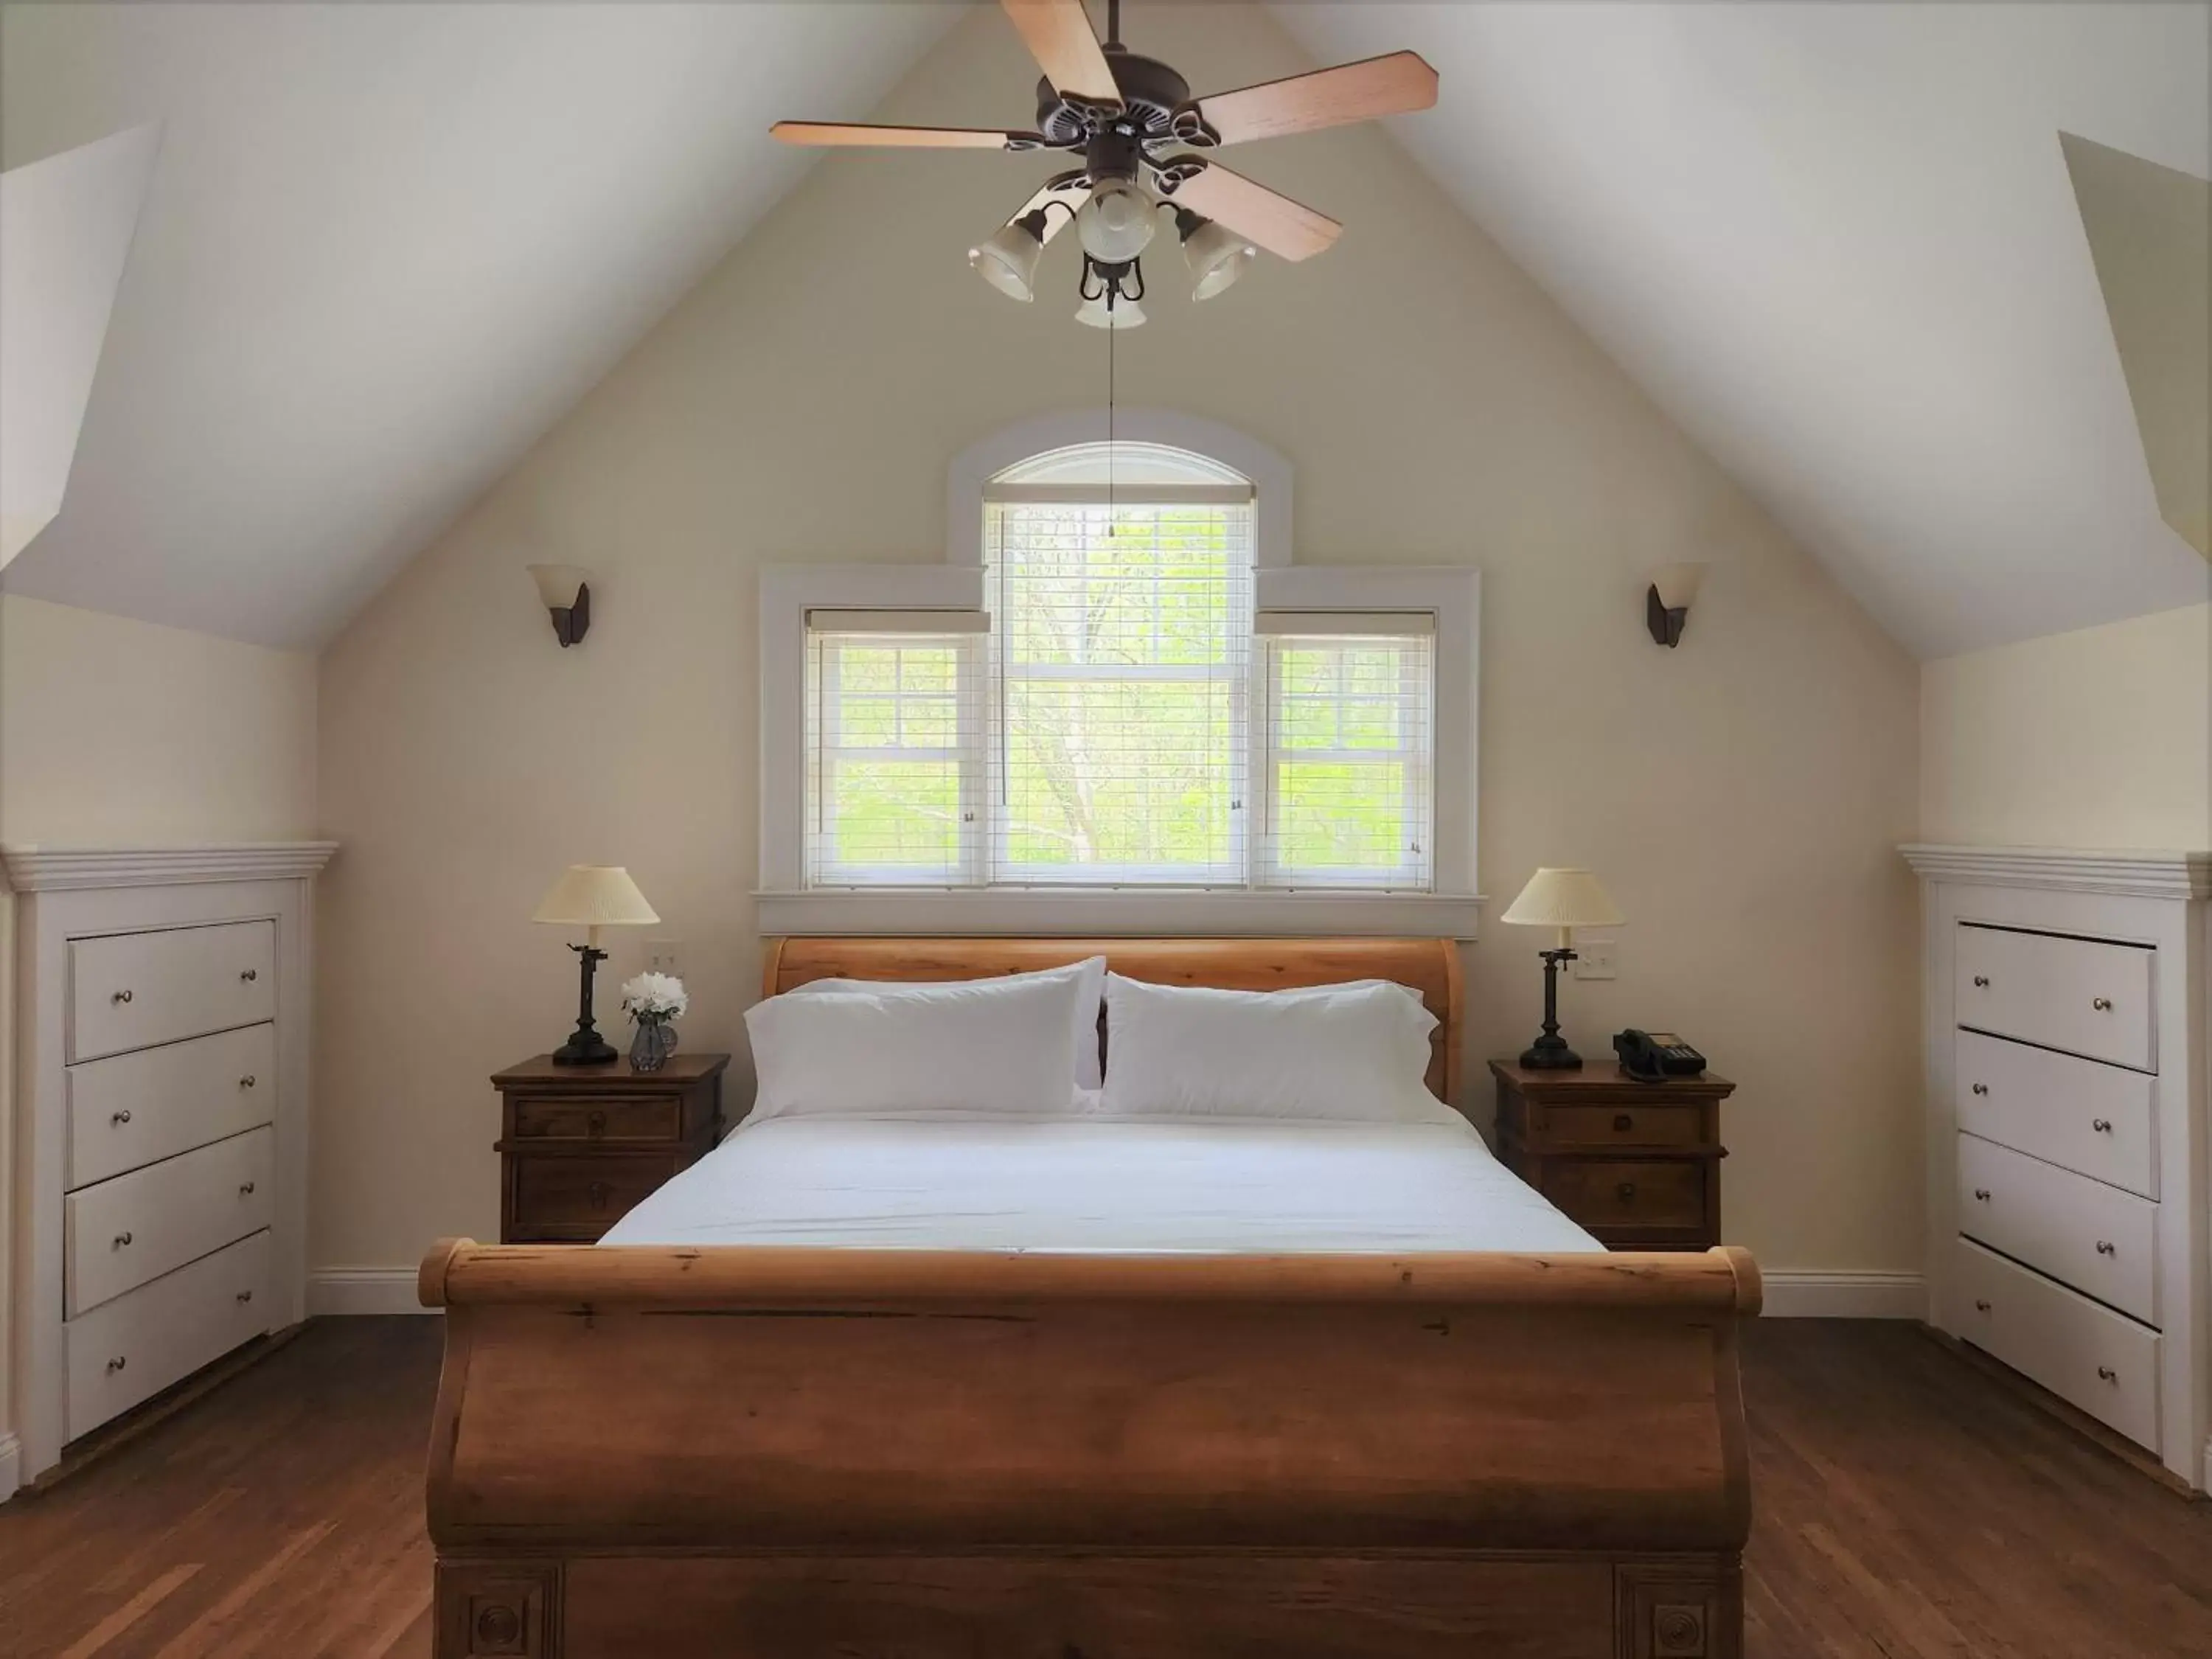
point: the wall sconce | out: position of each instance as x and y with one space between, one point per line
568 596
1666 603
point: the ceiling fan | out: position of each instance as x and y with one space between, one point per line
1120 112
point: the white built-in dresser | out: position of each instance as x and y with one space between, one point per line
2067 1015
162 1000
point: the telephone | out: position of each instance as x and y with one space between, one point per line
1655 1056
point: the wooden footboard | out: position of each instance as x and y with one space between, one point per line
788 1454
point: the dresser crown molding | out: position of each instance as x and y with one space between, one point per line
2127 873
35 868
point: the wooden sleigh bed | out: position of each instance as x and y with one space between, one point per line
780 1453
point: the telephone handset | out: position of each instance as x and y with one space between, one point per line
1655 1056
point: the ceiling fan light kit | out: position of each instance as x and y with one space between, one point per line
1124 114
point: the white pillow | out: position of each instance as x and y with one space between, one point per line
1088 976
995 1046
1353 1052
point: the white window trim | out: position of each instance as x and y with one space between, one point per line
1451 594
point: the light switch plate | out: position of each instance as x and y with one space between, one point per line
663 956
1597 958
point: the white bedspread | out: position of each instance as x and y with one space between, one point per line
1076 1184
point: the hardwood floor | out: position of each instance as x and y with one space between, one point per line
1909 1507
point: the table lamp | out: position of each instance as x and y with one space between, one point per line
591 897
1566 900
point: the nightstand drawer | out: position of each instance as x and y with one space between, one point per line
608 1117
1586 1128
590 1195
1629 1196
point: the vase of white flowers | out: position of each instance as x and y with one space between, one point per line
655 1002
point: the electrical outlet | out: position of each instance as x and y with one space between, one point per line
1597 958
663 956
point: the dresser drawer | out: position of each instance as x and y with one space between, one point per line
647 1117
2077 994
136 1109
581 1196
133 1347
1630 1197
2099 1240
1584 1127
121 1233
133 990
2101 1361
2079 1113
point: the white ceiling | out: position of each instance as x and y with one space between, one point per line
386 247
1838 243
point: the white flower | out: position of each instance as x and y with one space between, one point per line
655 996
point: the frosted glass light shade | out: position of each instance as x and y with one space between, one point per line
1217 257
1566 899
1008 260
1116 224
1123 313
594 896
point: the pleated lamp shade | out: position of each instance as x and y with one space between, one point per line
1564 899
595 896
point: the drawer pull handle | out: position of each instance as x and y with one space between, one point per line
245 1296
120 996
116 1364
2105 1248
245 1082
2103 1126
1981 982
250 975
121 1239
1982 1193
596 1125
2107 1374
245 1190
2102 1005
119 1117
1981 1088
1622 1122
1981 1307
1625 1191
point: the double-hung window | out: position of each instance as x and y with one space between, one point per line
1122 714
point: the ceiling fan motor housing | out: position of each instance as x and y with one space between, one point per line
1151 94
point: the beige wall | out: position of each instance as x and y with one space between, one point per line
116 731
1741 796
2101 738
120 732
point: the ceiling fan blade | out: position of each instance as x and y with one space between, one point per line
1059 35
840 133
1274 221
1326 98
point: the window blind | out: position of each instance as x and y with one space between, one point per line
1348 759
895 766
1121 684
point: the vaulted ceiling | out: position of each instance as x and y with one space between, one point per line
386 247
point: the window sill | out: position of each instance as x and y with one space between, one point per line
1157 913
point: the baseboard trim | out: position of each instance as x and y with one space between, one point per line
336 1291
344 1290
1846 1295
11 1466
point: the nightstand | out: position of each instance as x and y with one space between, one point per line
580 1145
1636 1163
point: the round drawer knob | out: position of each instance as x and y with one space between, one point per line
1625 1191
250 975
119 1117
2105 1247
245 1190
2102 1005
1981 1307
118 1363
1981 1088
122 1239
2103 1126
245 1296
1982 1193
1622 1122
1981 982
120 996
245 1082
2106 1373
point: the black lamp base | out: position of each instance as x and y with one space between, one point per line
1550 1052
585 1046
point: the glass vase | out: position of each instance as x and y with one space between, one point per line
650 1045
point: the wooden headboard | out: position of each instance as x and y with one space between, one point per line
1428 966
